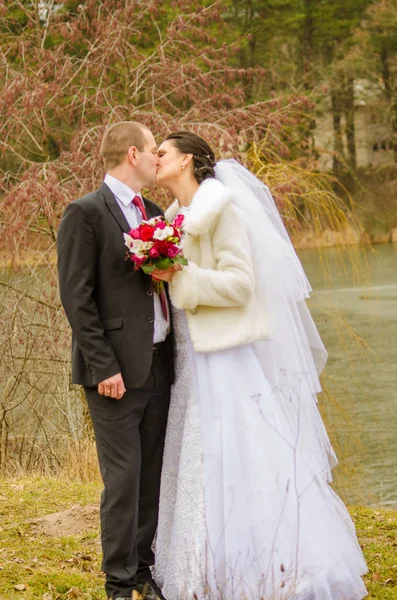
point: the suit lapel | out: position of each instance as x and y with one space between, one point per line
116 211
114 208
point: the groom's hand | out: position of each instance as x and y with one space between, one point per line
113 387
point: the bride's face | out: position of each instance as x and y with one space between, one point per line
170 161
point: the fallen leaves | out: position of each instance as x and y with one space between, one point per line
74 592
377 578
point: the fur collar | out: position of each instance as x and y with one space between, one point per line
208 202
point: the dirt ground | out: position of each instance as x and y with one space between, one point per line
74 521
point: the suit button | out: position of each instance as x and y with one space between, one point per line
149 292
194 311
150 320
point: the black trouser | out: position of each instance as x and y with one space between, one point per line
130 440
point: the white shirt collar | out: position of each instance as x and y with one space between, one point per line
122 192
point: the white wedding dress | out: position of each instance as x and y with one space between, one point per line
246 509
244 513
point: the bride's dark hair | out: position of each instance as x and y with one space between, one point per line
203 155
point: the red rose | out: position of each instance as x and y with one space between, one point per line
146 233
161 247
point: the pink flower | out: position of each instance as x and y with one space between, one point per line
138 262
177 232
154 253
178 221
135 234
172 251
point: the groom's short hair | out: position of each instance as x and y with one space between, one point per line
118 138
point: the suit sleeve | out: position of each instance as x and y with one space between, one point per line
232 282
77 258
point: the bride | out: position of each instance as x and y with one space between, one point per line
246 511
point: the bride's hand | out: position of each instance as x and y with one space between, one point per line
166 274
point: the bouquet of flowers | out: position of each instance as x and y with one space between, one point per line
156 244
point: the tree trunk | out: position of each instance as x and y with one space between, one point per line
385 68
248 56
350 125
3 444
337 112
307 45
390 97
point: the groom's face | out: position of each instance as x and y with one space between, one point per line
147 160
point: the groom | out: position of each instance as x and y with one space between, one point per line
121 353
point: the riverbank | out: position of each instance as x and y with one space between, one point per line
58 557
371 201
350 236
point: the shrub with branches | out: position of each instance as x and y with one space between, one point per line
67 70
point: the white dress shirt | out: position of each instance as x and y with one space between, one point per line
124 196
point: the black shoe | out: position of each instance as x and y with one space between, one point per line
136 595
150 591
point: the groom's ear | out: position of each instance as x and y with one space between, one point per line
132 154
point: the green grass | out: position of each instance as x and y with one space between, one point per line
64 567
56 568
377 533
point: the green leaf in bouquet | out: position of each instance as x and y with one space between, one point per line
147 268
181 260
162 263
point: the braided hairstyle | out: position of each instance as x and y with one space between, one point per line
203 156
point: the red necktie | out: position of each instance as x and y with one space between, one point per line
137 201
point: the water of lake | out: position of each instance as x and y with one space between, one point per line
354 304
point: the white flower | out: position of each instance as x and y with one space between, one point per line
151 221
162 234
138 246
128 241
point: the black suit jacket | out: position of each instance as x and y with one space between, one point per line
109 305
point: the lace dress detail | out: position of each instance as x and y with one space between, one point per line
180 542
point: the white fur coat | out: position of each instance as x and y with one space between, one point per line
217 288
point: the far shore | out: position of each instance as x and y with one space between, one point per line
307 240
349 236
